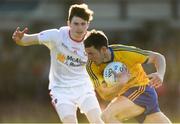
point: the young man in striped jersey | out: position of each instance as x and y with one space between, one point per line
134 95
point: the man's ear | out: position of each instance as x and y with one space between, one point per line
103 49
88 25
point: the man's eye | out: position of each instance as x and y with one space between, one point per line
76 23
83 24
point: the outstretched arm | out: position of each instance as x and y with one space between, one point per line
156 79
23 39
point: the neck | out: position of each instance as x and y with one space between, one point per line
76 37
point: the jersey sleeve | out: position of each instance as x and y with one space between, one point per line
48 37
95 75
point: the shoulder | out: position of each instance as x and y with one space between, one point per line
49 31
127 49
48 34
122 47
64 32
64 29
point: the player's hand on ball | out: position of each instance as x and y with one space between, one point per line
156 80
112 73
123 77
18 35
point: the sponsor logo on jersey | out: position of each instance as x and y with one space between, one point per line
70 60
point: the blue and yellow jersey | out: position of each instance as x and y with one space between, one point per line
132 57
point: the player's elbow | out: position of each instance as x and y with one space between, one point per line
160 59
156 57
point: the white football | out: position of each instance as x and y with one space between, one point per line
111 70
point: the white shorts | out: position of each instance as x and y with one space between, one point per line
66 100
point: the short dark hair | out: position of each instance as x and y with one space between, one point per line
97 39
80 10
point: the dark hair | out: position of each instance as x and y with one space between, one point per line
80 10
97 39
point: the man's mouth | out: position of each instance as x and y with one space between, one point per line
80 32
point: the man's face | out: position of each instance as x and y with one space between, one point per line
78 26
95 55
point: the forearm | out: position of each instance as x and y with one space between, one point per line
113 92
115 88
29 39
160 64
108 93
